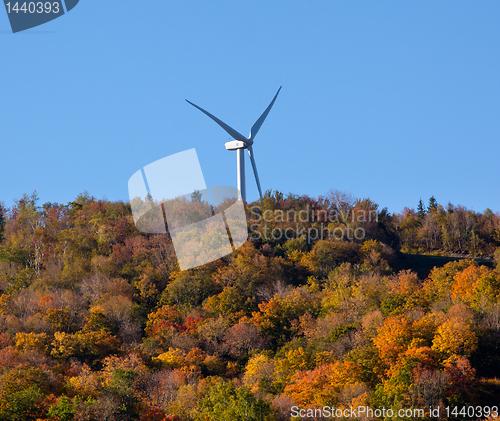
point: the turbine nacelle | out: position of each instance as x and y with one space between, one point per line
235 145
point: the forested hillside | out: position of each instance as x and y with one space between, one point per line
98 323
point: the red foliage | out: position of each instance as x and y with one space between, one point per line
190 324
153 413
5 340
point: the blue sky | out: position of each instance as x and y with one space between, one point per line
390 100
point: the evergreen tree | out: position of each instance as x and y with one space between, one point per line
433 205
421 209
2 222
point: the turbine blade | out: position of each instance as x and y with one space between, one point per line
256 127
254 166
233 133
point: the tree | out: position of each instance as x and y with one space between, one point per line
323 385
213 331
476 286
196 196
224 401
22 392
31 341
421 209
433 205
173 358
163 323
63 410
242 338
161 387
2 222
395 390
120 386
497 257
260 373
23 405
438 285
26 235
393 337
454 337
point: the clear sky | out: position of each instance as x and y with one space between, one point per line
392 100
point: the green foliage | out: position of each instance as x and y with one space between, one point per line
63 410
98 321
23 405
393 305
189 289
340 331
121 387
223 401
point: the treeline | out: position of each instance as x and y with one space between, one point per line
450 229
98 323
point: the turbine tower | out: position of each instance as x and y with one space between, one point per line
240 143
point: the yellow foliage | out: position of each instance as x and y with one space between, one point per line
455 337
129 362
32 340
324 357
295 359
259 373
173 358
86 384
63 345
425 328
5 304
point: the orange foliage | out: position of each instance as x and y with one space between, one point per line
393 337
322 385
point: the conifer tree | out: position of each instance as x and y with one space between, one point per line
433 205
421 209
2 222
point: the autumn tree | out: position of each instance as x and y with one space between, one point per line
241 339
437 287
222 400
455 337
476 286
393 337
323 385
260 374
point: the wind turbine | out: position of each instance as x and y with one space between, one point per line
240 143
